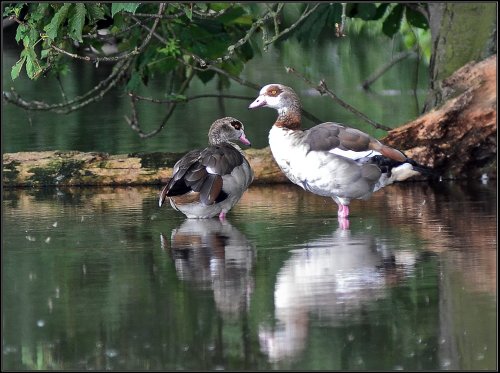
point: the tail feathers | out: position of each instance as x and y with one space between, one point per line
401 170
423 170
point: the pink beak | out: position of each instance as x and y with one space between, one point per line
244 140
259 102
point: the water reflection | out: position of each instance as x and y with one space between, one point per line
411 285
334 277
212 254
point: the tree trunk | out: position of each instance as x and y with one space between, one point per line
461 33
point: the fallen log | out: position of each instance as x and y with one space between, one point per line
459 138
50 168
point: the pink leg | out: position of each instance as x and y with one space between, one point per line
343 211
222 215
343 223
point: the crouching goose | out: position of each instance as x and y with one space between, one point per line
330 159
210 181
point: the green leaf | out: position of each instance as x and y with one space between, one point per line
32 65
416 18
127 7
39 13
382 8
134 83
77 21
94 12
205 76
53 27
13 10
44 53
393 21
189 12
366 11
16 69
21 32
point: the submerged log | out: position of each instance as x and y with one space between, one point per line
458 138
60 168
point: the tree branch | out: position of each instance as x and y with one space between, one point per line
378 73
191 98
133 122
323 89
94 94
303 16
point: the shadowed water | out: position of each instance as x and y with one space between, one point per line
104 279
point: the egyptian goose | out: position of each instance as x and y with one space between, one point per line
330 159
209 182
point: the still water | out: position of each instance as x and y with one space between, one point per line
395 98
104 279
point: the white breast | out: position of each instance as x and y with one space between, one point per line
320 172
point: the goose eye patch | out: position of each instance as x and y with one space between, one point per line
236 124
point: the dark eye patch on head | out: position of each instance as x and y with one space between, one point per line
236 124
273 91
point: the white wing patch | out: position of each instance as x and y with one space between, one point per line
351 154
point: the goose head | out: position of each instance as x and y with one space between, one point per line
227 129
276 96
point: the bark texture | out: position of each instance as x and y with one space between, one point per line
459 138
461 32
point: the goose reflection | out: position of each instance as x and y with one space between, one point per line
332 278
212 254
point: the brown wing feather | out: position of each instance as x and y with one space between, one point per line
329 135
210 189
202 171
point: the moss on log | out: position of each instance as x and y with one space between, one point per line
49 168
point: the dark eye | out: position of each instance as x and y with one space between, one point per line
237 125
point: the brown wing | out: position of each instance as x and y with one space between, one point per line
329 135
202 171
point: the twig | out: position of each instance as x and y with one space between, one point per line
323 89
64 108
133 122
191 98
377 74
339 30
303 16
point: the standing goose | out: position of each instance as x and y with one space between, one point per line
209 182
330 159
